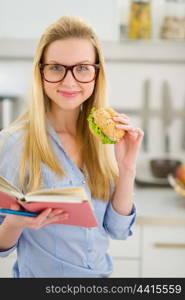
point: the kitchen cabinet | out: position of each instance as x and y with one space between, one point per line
126 255
126 268
161 216
6 264
163 251
153 251
157 247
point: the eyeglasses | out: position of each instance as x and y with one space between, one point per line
83 73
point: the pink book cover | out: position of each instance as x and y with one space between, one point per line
80 213
6 200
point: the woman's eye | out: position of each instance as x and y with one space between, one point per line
82 68
56 68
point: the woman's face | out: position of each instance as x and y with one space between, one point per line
69 94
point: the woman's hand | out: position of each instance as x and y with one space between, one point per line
127 149
46 217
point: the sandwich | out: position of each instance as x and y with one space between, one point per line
103 127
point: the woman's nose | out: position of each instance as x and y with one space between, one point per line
69 78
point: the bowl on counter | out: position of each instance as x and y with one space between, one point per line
161 167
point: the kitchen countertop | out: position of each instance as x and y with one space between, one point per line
159 206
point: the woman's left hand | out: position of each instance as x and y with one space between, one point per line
127 149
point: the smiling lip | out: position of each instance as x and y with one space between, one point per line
68 94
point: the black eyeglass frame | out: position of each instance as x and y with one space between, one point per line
67 68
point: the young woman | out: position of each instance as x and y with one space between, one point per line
50 146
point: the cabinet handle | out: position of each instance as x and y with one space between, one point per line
169 245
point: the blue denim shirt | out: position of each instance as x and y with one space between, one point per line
62 250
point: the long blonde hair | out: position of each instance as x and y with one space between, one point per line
100 166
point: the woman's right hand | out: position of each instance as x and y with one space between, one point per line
46 217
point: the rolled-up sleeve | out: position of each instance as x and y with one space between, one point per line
7 252
119 226
10 156
10 153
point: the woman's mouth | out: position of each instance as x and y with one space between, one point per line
69 94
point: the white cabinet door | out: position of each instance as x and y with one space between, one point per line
126 268
163 251
6 264
127 248
126 255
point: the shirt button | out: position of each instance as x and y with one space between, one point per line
83 181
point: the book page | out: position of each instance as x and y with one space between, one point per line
54 198
73 194
10 189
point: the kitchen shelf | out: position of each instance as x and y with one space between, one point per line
131 51
145 51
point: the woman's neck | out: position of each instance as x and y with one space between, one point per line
64 121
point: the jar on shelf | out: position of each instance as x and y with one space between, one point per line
140 19
173 26
123 7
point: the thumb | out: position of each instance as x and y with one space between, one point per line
15 206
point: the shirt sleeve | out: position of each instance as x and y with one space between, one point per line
10 154
118 226
10 149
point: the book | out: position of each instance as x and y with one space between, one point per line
73 200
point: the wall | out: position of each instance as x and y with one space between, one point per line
37 15
15 80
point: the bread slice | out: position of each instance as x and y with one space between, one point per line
103 118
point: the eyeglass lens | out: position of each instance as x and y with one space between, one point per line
82 73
